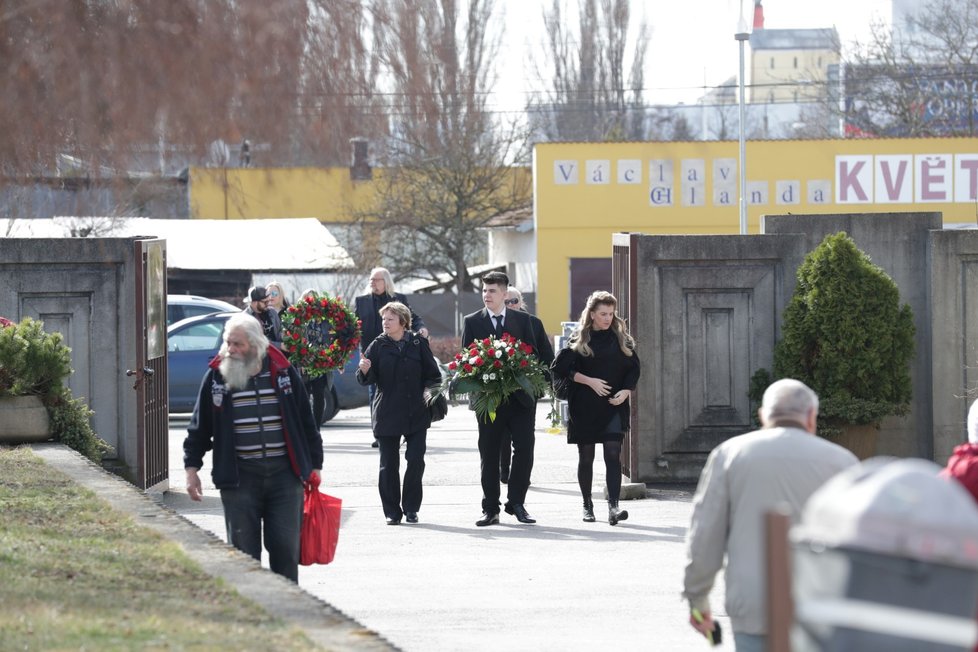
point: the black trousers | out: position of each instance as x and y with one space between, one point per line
317 388
267 501
505 452
389 480
517 420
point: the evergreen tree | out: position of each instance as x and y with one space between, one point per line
846 336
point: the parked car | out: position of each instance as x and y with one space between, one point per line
181 306
193 342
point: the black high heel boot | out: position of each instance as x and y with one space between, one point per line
588 511
615 514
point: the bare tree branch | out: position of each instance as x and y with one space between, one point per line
449 164
920 81
589 99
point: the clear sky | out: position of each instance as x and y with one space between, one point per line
692 41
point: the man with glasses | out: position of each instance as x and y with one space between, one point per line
258 308
514 301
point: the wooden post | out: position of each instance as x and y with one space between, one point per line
780 609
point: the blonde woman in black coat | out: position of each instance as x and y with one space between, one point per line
399 362
600 369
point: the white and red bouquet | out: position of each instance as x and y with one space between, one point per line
489 371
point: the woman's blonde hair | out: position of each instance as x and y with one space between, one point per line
581 336
403 312
281 292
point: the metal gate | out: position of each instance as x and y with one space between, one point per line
622 274
150 372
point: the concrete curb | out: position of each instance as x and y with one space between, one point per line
323 624
631 491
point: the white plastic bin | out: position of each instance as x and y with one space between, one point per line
885 558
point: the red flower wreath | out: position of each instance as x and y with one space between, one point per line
320 333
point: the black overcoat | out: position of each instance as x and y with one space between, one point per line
401 375
371 324
590 414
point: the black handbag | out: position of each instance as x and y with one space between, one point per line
562 387
562 384
437 405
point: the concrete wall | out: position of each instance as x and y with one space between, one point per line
83 289
953 361
46 198
900 244
706 318
708 313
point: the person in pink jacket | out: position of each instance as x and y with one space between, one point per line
963 463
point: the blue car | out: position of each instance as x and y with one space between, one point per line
193 342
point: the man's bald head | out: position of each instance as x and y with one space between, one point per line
789 401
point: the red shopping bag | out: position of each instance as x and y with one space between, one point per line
320 526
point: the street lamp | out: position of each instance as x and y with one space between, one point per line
741 36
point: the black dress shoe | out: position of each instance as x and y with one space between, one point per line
488 519
520 513
393 521
411 517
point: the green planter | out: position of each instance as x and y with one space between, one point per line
23 420
35 403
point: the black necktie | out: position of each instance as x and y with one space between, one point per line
499 325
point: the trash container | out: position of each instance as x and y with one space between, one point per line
885 557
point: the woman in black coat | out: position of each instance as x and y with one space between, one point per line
600 369
399 362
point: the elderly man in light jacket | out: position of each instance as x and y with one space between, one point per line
745 477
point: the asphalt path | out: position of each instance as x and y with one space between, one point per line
445 584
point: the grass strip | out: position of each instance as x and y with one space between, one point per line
77 575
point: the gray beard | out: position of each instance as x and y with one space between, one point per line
237 373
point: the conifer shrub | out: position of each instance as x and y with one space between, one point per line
845 335
34 362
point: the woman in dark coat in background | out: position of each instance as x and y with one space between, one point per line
399 362
600 369
318 333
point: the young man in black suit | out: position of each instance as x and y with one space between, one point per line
517 414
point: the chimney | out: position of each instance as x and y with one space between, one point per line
758 15
360 167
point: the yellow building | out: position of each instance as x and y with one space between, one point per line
331 195
791 65
584 192
328 194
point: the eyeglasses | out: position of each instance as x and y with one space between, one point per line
512 302
273 293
